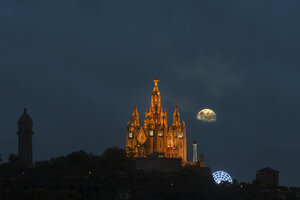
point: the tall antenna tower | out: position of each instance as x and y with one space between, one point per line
195 151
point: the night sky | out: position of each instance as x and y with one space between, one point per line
82 65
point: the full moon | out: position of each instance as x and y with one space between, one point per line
207 115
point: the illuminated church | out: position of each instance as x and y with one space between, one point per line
156 135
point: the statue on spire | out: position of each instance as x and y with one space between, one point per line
156 83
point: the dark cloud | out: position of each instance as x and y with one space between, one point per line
81 66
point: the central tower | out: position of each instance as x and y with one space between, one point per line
156 135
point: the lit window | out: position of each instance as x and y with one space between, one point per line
160 133
180 135
151 133
130 135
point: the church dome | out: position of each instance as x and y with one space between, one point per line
25 120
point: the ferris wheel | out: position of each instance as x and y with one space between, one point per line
221 176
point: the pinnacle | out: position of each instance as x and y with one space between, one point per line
135 112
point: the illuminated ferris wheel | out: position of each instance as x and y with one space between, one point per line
221 176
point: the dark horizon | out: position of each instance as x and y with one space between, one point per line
82 66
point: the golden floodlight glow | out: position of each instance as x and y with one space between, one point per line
207 115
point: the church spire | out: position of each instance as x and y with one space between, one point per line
176 117
135 112
135 117
155 98
176 111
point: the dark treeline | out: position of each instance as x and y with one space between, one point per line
112 175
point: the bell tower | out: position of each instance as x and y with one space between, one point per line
25 139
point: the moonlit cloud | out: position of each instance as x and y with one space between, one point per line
215 73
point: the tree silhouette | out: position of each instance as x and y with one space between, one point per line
13 158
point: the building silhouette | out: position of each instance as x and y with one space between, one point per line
267 177
156 135
157 161
25 139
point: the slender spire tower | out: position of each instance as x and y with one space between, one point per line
195 151
25 139
135 117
